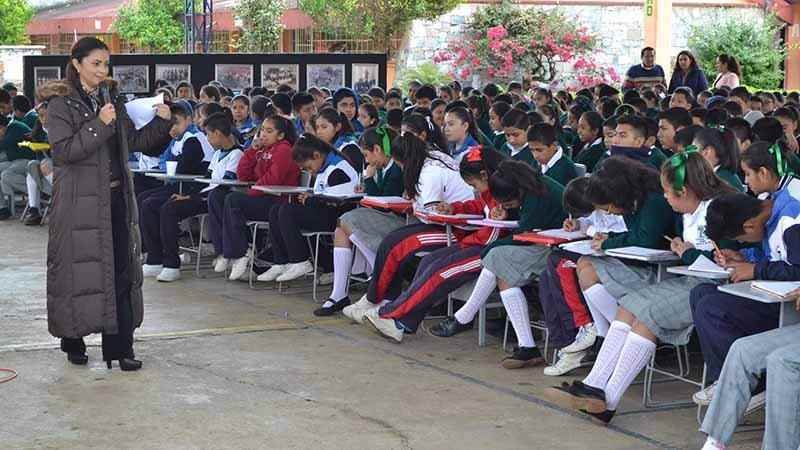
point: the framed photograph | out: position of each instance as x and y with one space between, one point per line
365 77
132 79
43 74
274 75
174 73
330 76
235 77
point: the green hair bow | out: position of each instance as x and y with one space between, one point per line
780 163
678 162
386 141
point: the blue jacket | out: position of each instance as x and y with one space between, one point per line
778 257
696 80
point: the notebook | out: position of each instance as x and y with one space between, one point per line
779 288
703 264
495 223
454 219
581 248
395 204
550 237
642 254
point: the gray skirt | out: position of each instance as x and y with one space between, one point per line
517 265
373 225
664 308
619 278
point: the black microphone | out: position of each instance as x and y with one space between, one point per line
105 93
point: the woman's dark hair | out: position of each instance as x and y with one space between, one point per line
79 51
724 144
282 102
370 138
185 84
479 159
575 201
242 98
622 182
786 112
727 214
515 118
513 180
411 152
372 112
692 61
307 144
543 133
595 122
731 63
334 118
500 108
758 155
478 102
285 126
465 116
685 136
220 121
419 124
211 91
698 177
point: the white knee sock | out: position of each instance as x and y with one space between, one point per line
342 261
368 254
517 309
484 286
608 355
33 192
635 354
602 305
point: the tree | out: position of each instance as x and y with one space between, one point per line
153 24
754 44
261 25
377 20
14 16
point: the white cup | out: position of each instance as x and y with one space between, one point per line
172 168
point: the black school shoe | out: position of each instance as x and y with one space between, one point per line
602 418
523 357
578 396
449 327
332 309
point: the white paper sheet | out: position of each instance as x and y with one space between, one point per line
703 264
141 110
581 247
563 234
779 288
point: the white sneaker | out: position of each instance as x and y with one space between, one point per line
295 271
356 311
325 279
585 339
704 397
273 273
239 268
567 362
386 327
169 274
220 264
712 444
151 270
185 258
756 402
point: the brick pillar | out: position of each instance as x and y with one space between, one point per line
657 30
792 66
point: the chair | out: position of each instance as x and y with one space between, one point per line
684 369
536 325
197 248
462 294
316 235
254 226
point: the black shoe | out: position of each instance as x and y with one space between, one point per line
127 364
79 359
602 418
523 357
578 396
5 213
449 327
332 309
33 219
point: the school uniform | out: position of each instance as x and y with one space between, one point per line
246 128
444 270
722 318
590 154
567 138
347 145
775 356
286 221
442 183
523 154
499 140
560 168
458 151
650 156
790 185
161 225
730 177
229 212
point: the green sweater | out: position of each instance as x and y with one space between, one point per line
731 178
389 185
29 119
647 226
591 155
655 159
499 140
15 133
563 171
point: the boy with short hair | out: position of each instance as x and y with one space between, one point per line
682 98
670 122
14 165
742 97
630 140
23 111
304 109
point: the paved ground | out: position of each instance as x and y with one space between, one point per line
229 367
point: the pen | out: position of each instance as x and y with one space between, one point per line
668 238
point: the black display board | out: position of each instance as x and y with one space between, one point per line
204 68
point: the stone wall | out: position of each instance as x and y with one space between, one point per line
620 29
11 65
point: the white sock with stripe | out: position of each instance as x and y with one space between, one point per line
342 261
608 355
517 309
602 305
635 354
484 286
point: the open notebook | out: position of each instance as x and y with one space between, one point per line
581 248
494 223
703 264
642 254
779 288
550 237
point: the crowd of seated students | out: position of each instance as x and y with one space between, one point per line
707 173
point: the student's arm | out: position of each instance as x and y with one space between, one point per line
191 159
475 206
780 270
371 187
393 182
654 221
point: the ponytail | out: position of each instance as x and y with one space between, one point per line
410 152
513 180
725 146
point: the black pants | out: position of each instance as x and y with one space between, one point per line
153 198
142 183
285 223
120 345
160 224
229 226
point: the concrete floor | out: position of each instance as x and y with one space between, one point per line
229 367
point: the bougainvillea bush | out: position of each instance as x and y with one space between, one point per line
504 42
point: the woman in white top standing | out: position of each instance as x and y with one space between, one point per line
729 72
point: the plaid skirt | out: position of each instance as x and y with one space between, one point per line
664 308
372 225
517 265
620 278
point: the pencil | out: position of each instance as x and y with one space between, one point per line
668 238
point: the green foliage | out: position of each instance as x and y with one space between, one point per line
379 20
426 73
261 25
14 16
153 24
754 44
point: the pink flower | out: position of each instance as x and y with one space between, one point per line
498 32
465 73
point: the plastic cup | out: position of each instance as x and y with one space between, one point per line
172 168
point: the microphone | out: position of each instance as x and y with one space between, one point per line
105 93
